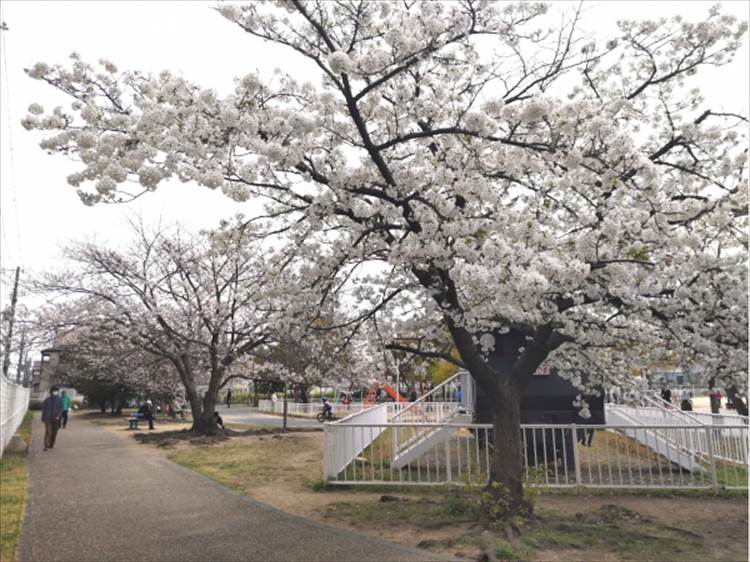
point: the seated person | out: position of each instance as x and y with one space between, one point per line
219 421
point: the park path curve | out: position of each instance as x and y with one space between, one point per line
98 496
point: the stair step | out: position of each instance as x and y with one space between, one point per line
431 438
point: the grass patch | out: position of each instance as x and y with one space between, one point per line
247 463
423 513
506 551
283 469
647 492
14 481
731 474
318 485
243 426
612 528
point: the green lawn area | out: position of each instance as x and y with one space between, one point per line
284 470
13 485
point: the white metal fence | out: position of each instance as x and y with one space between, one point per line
14 401
354 443
706 418
603 456
307 409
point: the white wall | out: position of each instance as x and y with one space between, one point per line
14 401
348 442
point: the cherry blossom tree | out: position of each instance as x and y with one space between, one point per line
108 369
529 189
201 303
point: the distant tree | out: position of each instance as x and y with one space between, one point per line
199 303
101 365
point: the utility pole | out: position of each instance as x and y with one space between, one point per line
286 407
8 343
21 361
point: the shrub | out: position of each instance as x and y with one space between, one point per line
457 504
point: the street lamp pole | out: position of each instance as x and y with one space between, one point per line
286 391
398 381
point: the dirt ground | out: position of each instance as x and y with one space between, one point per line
569 527
719 523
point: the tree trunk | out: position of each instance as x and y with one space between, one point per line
303 395
120 405
204 421
505 486
202 409
113 404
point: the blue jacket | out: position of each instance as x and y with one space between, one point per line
52 408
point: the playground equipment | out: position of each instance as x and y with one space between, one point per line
445 436
372 393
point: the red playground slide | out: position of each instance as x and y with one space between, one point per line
393 394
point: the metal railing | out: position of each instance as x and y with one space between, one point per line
556 456
710 419
695 442
440 405
308 409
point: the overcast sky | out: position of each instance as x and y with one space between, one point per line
40 210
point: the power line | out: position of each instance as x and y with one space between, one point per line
7 251
10 142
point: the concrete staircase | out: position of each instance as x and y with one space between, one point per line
415 448
664 441
430 417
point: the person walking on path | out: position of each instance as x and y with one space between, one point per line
666 396
147 411
52 411
66 407
229 398
686 401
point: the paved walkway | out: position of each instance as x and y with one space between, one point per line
100 496
248 415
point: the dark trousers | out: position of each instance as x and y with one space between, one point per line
50 432
150 419
65 418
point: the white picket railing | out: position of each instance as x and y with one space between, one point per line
654 413
307 409
617 456
707 418
14 402
441 405
345 447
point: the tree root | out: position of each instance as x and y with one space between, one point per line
487 547
512 533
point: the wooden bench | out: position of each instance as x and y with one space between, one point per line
134 419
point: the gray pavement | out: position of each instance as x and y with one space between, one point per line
101 496
249 415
